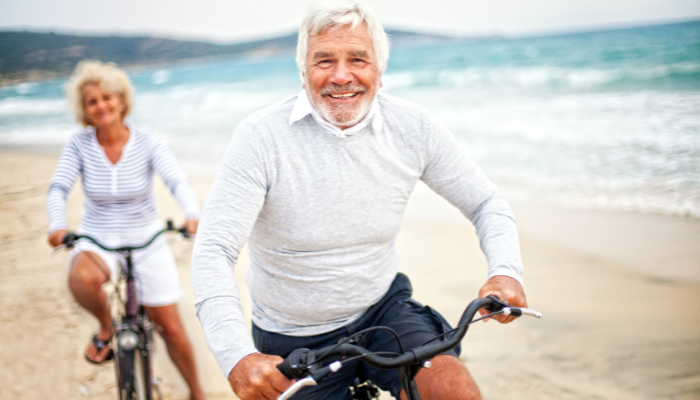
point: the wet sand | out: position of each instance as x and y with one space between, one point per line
619 293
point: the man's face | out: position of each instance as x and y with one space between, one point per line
341 74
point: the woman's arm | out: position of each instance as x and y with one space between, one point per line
64 177
164 163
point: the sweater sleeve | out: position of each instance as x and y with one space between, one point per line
454 176
164 163
228 216
64 177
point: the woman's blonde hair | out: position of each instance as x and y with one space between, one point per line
110 79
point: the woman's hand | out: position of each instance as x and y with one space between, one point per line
191 225
56 238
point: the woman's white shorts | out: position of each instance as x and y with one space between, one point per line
157 277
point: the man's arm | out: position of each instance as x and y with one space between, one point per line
228 216
450 173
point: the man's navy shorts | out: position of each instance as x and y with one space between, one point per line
414 323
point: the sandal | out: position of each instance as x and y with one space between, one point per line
99 345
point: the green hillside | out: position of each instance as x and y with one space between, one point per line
30 55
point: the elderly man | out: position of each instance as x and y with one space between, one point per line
318 183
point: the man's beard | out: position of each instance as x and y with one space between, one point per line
345 115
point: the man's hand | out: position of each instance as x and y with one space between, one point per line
56 238
256 377
191 224
507 289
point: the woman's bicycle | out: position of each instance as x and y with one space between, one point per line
132 331
310 367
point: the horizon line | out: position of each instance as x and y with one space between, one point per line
283 32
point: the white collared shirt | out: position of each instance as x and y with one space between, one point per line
303 107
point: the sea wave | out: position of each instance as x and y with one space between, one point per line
16 106
675 197
41 135
684 75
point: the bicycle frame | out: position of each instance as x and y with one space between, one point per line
132 331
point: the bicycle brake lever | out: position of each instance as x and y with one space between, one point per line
308 381
517 312
57 249
531 313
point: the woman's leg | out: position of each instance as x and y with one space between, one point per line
87 275
167 322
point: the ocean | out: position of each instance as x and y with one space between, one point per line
604 120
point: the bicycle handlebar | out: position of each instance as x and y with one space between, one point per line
70 238
301 363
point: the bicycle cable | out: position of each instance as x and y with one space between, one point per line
97 264
378 353
150 252
460 326
154 247
351 337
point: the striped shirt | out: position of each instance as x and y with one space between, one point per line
118 197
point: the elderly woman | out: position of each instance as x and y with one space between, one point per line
116 160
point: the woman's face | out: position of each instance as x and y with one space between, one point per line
102 109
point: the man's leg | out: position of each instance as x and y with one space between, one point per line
168 324
87 274
446 379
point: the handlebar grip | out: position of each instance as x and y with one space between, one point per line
296 364
496 304
69 239
286 369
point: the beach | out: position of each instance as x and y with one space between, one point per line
619 294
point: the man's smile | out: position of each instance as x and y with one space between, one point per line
343 95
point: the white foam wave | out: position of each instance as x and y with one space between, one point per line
677 197
193 108
14 106
532 77
160 77
40 135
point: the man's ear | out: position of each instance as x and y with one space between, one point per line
303 80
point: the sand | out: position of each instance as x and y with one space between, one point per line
619 293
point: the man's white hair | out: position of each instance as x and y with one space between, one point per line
324 14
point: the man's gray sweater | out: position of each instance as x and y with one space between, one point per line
322 214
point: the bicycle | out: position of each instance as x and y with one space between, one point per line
308 367
132 331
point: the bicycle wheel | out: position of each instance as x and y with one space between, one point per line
133 375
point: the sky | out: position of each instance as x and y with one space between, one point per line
233 20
